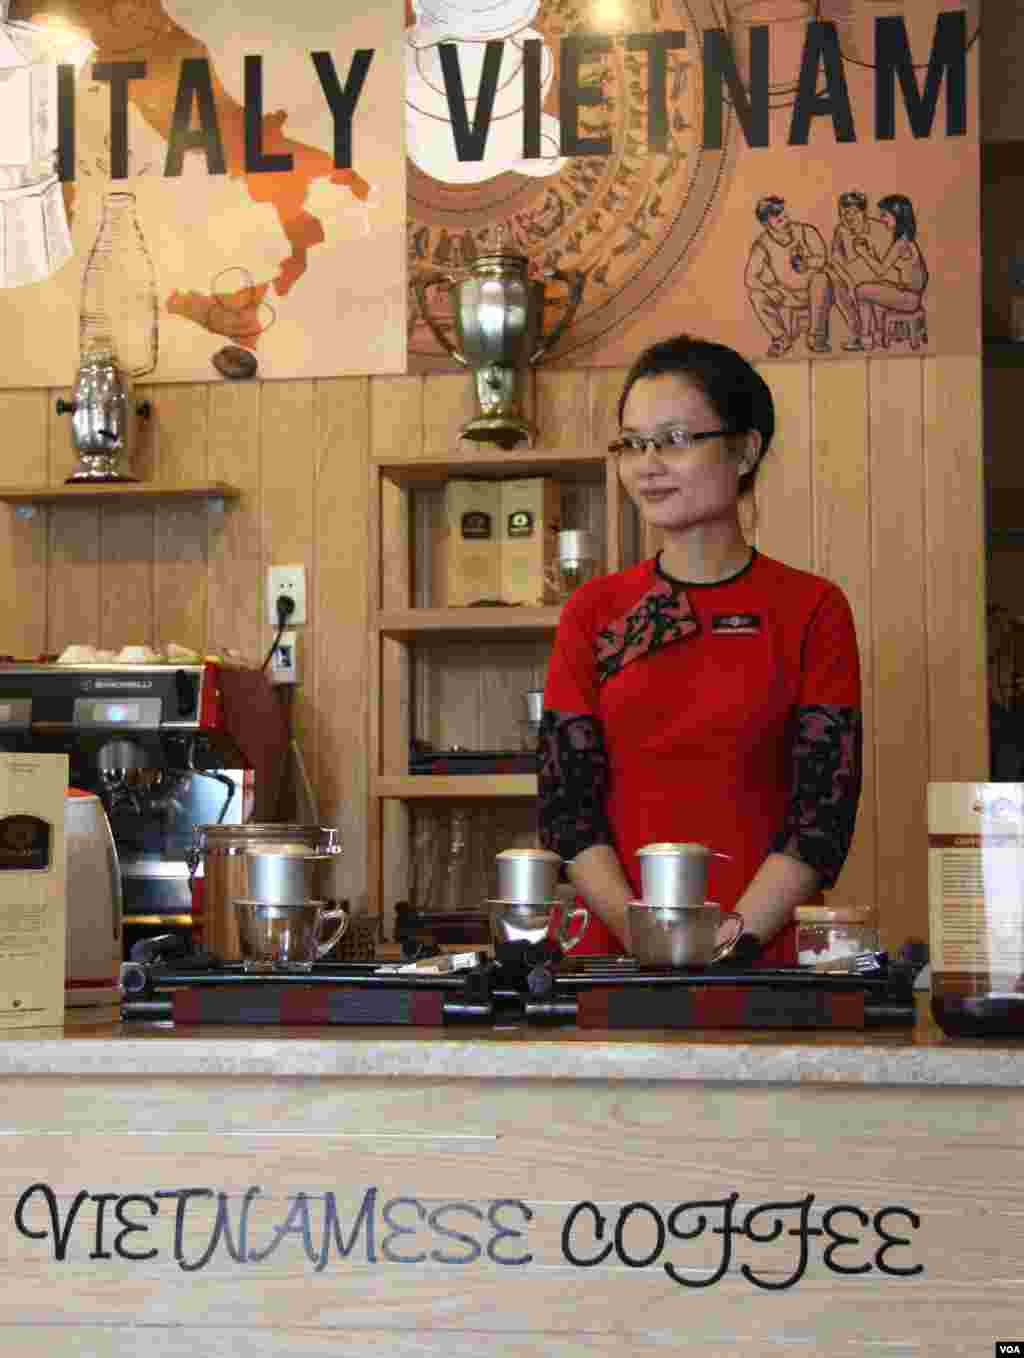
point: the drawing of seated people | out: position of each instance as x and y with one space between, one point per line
847 267
900 275
787 281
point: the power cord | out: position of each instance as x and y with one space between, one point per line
285 607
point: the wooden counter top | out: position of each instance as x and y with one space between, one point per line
94 1042
442 1193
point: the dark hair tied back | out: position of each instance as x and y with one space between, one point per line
740 396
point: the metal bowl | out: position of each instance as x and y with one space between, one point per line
680 935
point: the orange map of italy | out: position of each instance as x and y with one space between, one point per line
140 30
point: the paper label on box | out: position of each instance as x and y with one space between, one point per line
33 905
24 844
476 525
520 524
976 877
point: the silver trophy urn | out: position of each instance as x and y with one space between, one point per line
102 414
498 319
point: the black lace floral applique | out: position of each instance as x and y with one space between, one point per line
826 788
572 784
661 617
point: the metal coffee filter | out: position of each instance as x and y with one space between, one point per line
283 878
528 876
675 873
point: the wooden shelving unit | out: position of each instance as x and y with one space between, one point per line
26 499
411 787
446 624
399 630
480 460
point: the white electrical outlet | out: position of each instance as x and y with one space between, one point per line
289 581
284 663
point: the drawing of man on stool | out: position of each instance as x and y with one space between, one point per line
787 281
848 267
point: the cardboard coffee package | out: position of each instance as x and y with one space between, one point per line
33 898
471 549
530 511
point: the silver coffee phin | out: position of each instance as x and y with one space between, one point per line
528 876
675 873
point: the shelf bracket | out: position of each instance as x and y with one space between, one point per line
25 511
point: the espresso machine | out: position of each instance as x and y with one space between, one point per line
166 748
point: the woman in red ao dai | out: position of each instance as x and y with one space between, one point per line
710 694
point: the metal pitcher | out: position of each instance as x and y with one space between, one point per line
498 314
101 416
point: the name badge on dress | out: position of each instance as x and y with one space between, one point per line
736 624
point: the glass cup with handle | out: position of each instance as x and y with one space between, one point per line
275 937
522 923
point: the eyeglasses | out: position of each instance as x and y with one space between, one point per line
673 440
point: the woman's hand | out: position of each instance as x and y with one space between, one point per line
598 876
781 883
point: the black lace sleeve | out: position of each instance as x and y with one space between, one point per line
826 786
572 784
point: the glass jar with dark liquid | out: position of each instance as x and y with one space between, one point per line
976 908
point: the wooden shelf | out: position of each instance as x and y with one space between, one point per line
455 675
413 787
422 624
27 498
581 464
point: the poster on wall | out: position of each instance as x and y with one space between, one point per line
233 190
796 178
211 188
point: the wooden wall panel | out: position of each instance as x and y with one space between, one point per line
340 606
144 438
842 542
562 400
127 552
784 519
396 416
954 603
73 586
23 542
130 541
288 449
448 402
622 541
180 529
604 387
898 732
234 595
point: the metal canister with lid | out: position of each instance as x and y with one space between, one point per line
219 869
